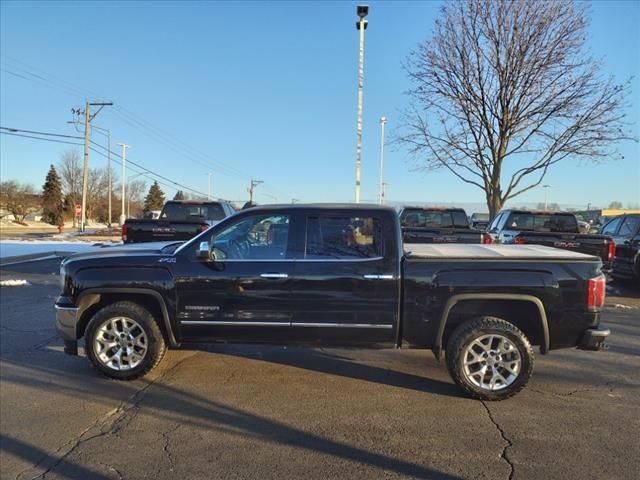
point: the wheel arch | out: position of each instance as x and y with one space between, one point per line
538 326
93 299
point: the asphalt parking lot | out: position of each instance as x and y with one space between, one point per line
273 412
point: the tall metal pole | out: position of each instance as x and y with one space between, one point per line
361 25
546 187
124 146
85 173
383 120
109 171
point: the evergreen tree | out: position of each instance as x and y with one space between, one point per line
52 200
179 195
155 198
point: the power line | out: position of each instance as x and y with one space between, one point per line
39 138
20 130
132 119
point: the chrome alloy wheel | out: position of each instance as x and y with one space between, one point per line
492 362
120 343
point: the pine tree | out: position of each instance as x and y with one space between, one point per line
179 195
52 200
155 198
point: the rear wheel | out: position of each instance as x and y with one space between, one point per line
123 341
490 358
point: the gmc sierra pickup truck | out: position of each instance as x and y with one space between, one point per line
438 225
552 229
178 220
333 275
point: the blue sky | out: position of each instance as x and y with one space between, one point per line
262 89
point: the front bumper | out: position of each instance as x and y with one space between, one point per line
66 326
594 338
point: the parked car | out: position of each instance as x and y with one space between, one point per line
625 231
552 229
479 221
333 275
437 225
178 220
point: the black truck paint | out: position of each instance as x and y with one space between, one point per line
552 229
179 220
338 275
625 231
437 225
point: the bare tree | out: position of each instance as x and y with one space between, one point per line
70 168
19 199
504 90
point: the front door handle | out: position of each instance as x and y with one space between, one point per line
274 275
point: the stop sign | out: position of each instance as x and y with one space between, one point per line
78 210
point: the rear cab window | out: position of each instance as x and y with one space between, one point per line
536 222
343 237
187 211
425 218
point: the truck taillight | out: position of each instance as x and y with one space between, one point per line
596 292
124 233
486 239
519 240
611 252
204 228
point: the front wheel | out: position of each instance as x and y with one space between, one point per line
490 358
123 341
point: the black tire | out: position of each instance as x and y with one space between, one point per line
155 344
460 342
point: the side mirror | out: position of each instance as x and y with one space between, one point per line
203 251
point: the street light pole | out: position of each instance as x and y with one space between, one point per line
209 196
361 25
383 120
124 146
107 132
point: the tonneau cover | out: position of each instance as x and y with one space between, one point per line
466 251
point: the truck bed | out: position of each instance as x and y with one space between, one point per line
469 251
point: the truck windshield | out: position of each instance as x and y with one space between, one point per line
537 222
187 211
433 218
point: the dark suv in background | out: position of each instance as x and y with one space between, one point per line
625 231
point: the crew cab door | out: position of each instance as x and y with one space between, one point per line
243 293
626 233
345 288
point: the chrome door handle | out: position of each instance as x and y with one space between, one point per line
274 275
378 277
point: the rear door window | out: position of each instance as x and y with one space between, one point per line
348 238
612 227
629 227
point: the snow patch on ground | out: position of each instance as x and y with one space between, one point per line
14 283
623 307
15 248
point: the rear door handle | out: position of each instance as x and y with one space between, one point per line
274 275
378 277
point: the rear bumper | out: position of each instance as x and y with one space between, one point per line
594 338
66 326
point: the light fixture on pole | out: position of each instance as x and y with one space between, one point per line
546 187
124 146
383 120
361 25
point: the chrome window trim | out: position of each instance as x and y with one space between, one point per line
224 260
286 324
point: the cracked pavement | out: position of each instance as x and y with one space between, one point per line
237 411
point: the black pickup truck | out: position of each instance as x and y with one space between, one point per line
333 275
179 220
625 231
552 229
438 225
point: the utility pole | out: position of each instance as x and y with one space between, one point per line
384 189
85 175
124 146
383 120
361 25
254 184
209 196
